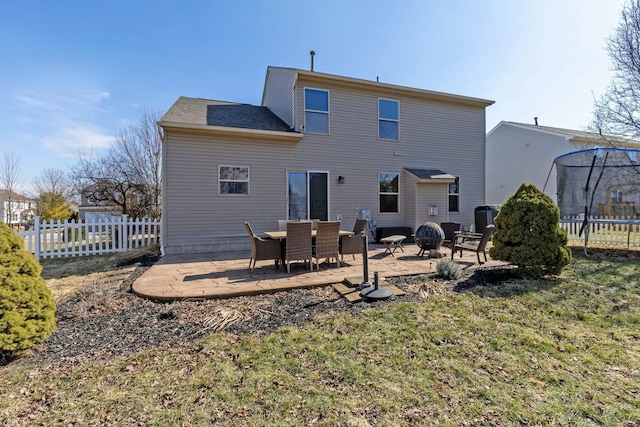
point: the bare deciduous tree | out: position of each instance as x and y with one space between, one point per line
617 112
140 146
52 180
10 180
127 176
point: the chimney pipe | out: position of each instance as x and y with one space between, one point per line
536 120
312 53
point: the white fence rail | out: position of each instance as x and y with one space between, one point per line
63 239
610 231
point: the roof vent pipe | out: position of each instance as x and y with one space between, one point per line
312 53
536 120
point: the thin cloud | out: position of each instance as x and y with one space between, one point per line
69 141
66 123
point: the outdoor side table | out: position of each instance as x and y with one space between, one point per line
393 242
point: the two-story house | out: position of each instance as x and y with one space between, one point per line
320 146
16 210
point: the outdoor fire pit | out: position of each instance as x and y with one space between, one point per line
429 237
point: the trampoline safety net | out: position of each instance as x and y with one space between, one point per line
602 182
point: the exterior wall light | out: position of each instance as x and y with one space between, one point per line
340 179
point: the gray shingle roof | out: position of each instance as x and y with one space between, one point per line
209 112
429 173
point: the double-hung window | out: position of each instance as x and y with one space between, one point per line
388 118
234 180
389 192
316 110
616 195
454 196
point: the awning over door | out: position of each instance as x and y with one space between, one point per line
431 175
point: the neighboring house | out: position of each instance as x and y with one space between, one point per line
94 212
520 153
16 210
320 146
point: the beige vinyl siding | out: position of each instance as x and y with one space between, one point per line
278 95
197 215
517 155
410 190
421 195
436 135
429 194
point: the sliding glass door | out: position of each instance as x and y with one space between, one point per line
308 195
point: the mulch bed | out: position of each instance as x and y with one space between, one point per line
119 323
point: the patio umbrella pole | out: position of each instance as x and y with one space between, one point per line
365 263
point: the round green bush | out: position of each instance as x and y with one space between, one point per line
27 308
529 234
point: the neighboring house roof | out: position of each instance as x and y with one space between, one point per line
430 174
6 194
576 135
385 87
220 115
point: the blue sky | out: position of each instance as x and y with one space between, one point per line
73 73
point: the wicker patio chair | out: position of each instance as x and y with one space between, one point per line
475 242
327 242
262 249
282 224
298 244
353 244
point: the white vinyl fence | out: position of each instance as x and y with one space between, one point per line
608 231
116 234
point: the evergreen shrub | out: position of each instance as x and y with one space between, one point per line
529 234
27 308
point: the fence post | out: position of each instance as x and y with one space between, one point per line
36 237
124 230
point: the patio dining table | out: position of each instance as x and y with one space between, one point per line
282 236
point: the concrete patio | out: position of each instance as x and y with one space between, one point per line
227 275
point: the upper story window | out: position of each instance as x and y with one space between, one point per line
389 192
388 118
616 195
234 180
316 110
454 196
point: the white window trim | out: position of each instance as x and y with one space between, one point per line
307 172
328 112
453 194
388 120
248 181
389 194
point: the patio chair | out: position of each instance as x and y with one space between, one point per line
475 242
353 244
299 246
327 242
262 249
282 224
449 229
